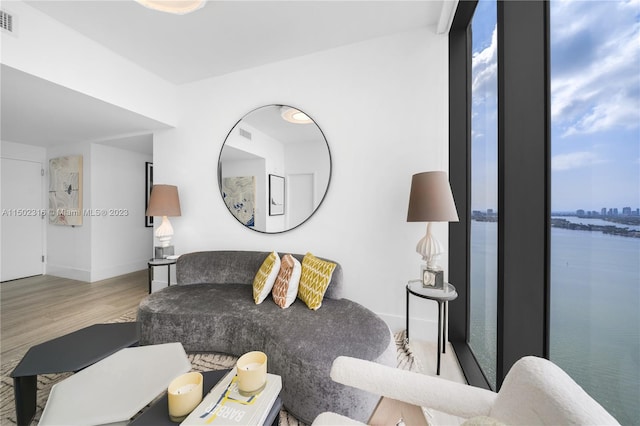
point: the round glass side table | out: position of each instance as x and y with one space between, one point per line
160 262
442 297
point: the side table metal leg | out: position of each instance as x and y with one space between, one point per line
24 391
439 335
445 326
168 275
150 270
407 335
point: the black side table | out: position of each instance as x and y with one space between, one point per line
71 352
442 297
160 262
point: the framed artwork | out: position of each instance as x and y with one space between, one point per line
148 179
65 190
239 194
276 195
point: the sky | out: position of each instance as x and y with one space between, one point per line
595 105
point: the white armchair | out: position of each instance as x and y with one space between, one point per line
534 392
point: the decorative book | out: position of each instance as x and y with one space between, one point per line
224 405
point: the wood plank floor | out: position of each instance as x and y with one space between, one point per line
36 309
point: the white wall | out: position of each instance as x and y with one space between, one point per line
69 247
271 151
45 48
382 105
110 245
120 242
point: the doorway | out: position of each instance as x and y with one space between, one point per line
300 207
22 219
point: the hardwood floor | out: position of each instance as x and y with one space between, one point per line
36 309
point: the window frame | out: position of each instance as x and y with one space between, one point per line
523 184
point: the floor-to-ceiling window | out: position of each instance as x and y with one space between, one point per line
568 267
595 236
484 189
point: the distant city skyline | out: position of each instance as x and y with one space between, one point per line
617 210
595 105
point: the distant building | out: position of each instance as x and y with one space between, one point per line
626 211
489 212
580 212
615 211
603 212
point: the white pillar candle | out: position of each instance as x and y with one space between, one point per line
184 394
252 373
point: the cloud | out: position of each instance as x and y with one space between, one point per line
574 160
485 71
595 60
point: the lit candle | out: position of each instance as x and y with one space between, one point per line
252 373
184 394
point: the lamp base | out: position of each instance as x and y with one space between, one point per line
163 252
432 277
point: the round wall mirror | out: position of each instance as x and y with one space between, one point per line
274 169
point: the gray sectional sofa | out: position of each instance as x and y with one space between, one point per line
212 310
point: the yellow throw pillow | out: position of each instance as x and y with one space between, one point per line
315 278
285 288
265 277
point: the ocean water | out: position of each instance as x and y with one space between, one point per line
595 312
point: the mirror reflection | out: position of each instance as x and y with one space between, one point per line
274 169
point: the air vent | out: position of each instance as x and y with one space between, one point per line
245 134
6 21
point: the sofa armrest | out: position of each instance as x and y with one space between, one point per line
414 388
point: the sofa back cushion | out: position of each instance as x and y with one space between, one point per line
236 267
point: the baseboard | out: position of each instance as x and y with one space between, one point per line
93 275
117 270
68 272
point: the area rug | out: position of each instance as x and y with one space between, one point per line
199 362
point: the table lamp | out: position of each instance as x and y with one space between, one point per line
164 202
430 201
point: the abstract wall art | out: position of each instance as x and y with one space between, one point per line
239 194
65 190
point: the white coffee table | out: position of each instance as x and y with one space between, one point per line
115 389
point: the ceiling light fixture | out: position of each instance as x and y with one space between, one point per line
295 116
178 7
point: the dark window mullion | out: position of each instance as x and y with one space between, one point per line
523 192
523 288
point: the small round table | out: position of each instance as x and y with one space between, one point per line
160 262
442 297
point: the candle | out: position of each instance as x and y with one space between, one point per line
184 394
252 373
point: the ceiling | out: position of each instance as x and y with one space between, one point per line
227 36
37 112
222 37
269 120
